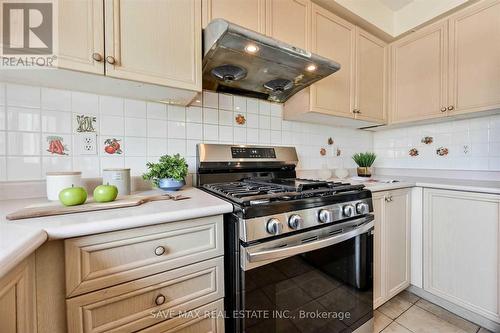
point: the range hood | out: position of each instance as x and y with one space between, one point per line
243 62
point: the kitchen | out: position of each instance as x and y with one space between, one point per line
359 192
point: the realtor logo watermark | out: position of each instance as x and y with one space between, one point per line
28 34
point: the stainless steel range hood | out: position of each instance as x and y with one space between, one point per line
243 62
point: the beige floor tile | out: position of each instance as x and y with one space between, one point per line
395 307
467 326
418 320
484 330
381 321
410 297
395 328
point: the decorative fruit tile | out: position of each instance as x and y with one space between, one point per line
112 146
240 119
413 152
442 151
84 123
427 140
57 145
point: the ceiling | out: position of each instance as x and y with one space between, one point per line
396 4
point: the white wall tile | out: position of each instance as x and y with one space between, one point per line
157 128
157 147
24 168
252 105
210 99
264 108
264 122
110 125
84 103
225 117
23 96
194 131
137 165
3 168
176 130
194 114
2 93
239 104
135 146
135 127
210 116
276 110
56 164
276 123
252 120
112 162
56 99
56 121
240 135
135 108
88 165
210 132
225 102
111 106
23 119
276 137
191 147
177 146
226 134
176 113
23 143
252 135
156 111
3 118
3 143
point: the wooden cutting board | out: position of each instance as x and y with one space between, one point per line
58 209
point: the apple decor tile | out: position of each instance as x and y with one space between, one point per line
56 145
442 151
112 146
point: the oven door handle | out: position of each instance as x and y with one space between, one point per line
278 253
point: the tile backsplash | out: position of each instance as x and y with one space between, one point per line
468 144
44 129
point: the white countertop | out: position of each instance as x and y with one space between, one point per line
19 238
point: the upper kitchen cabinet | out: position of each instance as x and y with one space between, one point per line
81 42
289 21
154 41
419 75
371 78
250 14
474 66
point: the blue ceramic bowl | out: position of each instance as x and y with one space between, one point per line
170 184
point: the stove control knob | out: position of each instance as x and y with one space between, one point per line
295 222
274 226
325 216
349 210
362 208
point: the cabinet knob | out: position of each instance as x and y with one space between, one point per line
356 111
160 250
388 199
160 299
97 56
443 109
450 107
111 60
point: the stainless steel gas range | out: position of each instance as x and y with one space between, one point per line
298 252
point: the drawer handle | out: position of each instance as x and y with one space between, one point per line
160 299
160 250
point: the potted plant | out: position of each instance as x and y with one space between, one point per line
364 162
169 173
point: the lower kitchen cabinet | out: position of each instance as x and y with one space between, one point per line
17 299
391 244
461 249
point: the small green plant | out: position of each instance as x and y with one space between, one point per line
364 160
174 167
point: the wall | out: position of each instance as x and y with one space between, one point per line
473 144
31 117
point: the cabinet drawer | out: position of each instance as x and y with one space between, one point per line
206 319
142 303
100 261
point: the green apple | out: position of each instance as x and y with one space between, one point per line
73 196
105 193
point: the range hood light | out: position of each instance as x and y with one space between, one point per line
311 68
251 48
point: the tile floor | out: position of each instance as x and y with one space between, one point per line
408 313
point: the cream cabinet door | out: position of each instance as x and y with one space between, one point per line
289 21
378 250
461 249
419 74
371 77
156 42
333 38
397 239
475 58
250 14
17 299
81 35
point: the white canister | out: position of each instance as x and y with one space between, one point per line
118 177
58 181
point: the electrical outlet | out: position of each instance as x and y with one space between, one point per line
88 144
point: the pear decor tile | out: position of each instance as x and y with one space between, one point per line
330 141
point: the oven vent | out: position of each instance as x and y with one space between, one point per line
308 240
334 232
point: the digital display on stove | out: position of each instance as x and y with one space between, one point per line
247 152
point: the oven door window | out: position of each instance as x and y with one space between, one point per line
326 290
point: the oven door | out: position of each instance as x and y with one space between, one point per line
316 281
